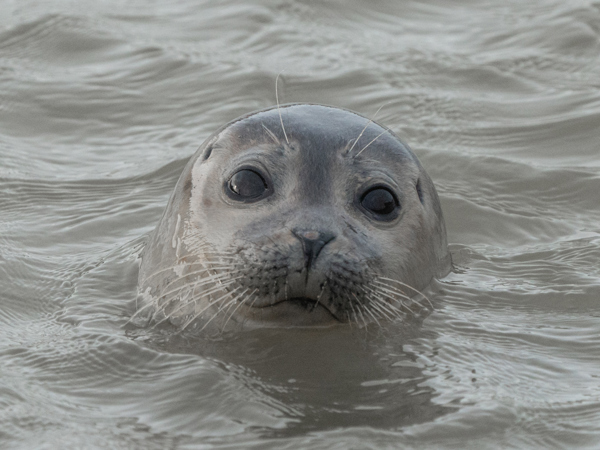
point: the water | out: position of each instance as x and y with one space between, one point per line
101 105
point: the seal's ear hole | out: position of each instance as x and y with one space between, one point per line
207 153
420 191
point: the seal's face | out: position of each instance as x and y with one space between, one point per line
328 218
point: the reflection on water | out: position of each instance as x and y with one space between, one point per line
103 102
321 378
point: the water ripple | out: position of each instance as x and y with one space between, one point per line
104 102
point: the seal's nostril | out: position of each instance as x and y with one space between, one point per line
310 235
312 243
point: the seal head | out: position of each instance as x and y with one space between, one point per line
299 215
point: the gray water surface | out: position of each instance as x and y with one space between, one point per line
102 104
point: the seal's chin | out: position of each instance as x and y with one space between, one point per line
294 312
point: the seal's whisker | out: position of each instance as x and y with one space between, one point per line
382 311
236 308
403 284
139 312
210 304
219 258
271 134
389 293
395 296
401 304
175 293
373 140
392 289
398 313
246 318
158 272
391 297
213 252
274 287
354 312
219 287
184 304
359 308
319 296
227 305
362 304
214 302
204 270
369 312
409 287
166 303
365 128
278 108
223 307
396 290
230 304
255 298
210 278
163 308
178 266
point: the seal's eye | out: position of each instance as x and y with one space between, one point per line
247 184
381 202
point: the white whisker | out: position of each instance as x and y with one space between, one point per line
236 308
365 128
391 297
369 312
405 285
278 108
319 296
271 134
359 308
373 140
391 290
210 304
183 304
382 311
226 305
211 278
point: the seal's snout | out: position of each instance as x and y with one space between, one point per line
312 243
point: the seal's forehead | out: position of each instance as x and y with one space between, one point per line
318 127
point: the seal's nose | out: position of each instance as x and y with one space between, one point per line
312 243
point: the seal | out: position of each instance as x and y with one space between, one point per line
295 215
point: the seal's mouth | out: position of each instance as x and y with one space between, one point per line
303 310
307 303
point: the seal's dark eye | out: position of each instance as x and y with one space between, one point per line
247 184
381 202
